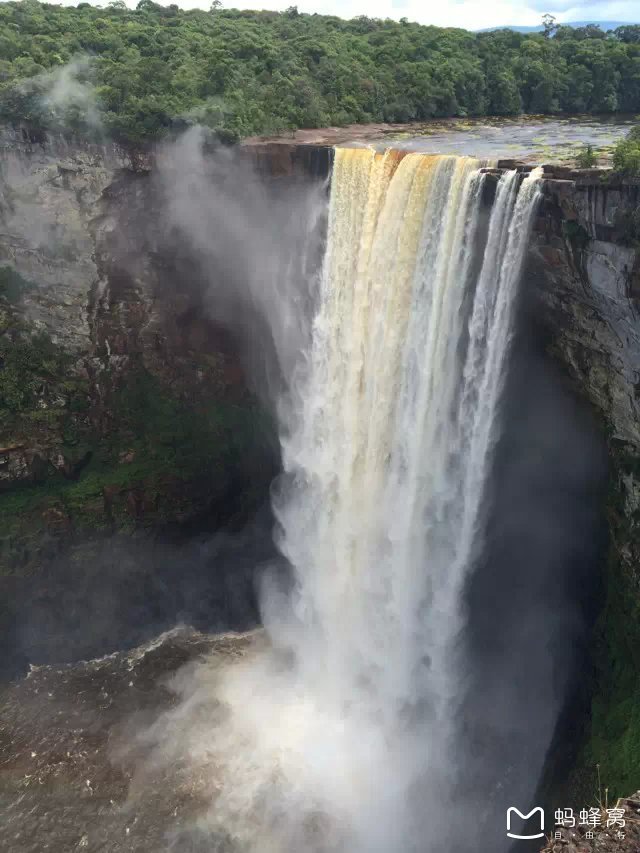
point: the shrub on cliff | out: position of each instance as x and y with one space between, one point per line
586 159
626 156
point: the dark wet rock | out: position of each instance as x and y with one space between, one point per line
580 284
126 408
68 752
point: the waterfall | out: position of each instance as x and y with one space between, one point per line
340 736
398 419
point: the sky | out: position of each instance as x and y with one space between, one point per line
471 14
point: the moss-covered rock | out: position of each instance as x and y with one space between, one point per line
613 741
124 411
163 463
91 445
125 452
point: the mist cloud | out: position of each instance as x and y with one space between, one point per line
254 245
66 96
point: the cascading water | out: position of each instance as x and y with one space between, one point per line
340 735
397 422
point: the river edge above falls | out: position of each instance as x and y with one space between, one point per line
582 274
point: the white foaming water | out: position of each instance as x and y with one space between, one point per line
340 736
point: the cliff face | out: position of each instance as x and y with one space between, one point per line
586 264
123 403
94 283
583 279
88 290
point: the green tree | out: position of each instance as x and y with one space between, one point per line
549 25
504 95
243 72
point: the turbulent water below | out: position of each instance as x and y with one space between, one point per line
72 745
72 740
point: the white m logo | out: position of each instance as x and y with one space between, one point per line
514 810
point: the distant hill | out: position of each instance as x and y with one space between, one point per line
604 25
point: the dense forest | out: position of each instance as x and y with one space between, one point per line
136 73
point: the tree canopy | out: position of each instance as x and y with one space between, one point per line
135 74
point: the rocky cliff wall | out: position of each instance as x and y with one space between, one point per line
124 408
103 309
582 280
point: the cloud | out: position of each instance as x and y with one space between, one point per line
558 6
471 14
594 11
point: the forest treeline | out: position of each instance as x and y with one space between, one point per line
135 73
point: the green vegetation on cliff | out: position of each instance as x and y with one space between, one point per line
614 740
626 155
162 465
115 452
586 158
40 392
248 72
